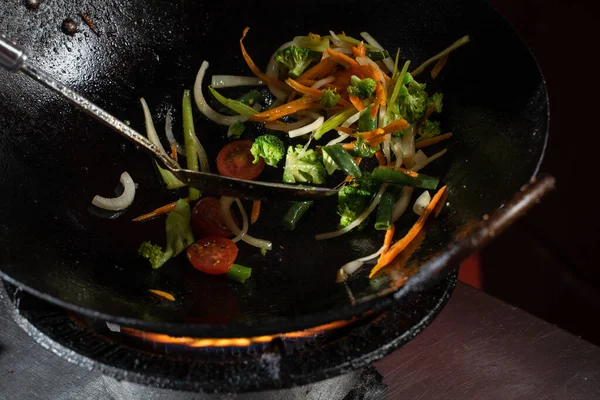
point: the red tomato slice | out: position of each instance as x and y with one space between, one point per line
212 255
235 160
207 221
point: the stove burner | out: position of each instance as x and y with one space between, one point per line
279 363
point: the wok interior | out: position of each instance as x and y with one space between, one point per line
54 159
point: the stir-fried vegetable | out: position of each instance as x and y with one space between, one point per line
368 110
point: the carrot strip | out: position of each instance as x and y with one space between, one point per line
380 157
439 66
159 211
346 130
348 146
356 102
174 153
300 88
395 126
359 50
271 81
421 144
303 103
341 58
255 211
379 92
389 236
162 294
292 97
400 245
321 70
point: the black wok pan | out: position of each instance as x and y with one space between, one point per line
54 159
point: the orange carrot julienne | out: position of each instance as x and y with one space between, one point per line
272 81
400 245
303 103
255 211
356 102
174 153
292 96
348 146
420 144
300 88
359 50
321 70
439 66
380 157
344 129
341 58
395 126
159 211
389 236
162 294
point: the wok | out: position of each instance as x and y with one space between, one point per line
54 159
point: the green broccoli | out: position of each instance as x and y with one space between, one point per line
269 147
179 236
296 59
429 129
236 130
354 198
303 166
330 98
436 102
363 149
362 88
412 101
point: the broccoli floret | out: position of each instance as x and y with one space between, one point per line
179 236
429 129
361 88
269 147
354 198
330 98
296 59
363 149
154 254
412 101
303 166
436 101
235 130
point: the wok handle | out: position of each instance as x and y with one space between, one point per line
14 58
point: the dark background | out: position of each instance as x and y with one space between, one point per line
546 263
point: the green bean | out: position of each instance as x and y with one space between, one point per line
295 213
343 160
383 221
390 175
239 273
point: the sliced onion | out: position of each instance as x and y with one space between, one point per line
402 204
387 147
169 131
202 157
344 50
408 143
353 266
419 158
358 220
288 127
421 203
338 139
273 72
321 82
227 81
225 209
150 129
316 124
205 108
434 157
398 153
113 327
389 64
121 202
336 40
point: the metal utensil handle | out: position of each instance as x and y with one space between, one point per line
13 58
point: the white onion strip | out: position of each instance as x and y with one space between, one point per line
353 266
121 202
421 203
343 50
398 153
273 72
403 202
245 225
336 40
419 166
316 124
205 108
357 221
322 82
225 209
202 157
227 81
150 129
288 127
170 137
338 139
389 64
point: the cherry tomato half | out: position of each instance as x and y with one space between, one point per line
212 255
235 160
207 221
